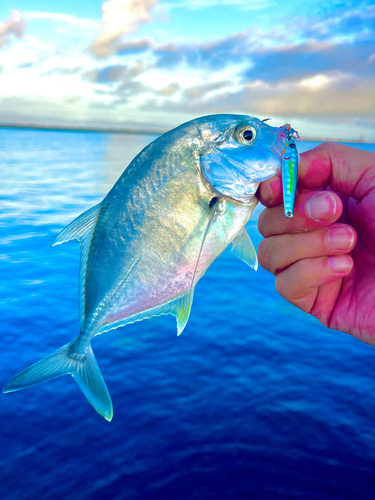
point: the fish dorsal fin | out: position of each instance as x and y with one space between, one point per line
81 229
243 248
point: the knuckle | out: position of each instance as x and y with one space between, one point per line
271 221
266 254
262 226
281 285
262 252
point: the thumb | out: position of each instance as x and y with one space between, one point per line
349 171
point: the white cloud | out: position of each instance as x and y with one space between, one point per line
53 79
315 82
331 95
120 17
15 25
203 4
62 18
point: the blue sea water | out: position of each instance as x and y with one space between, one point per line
255 400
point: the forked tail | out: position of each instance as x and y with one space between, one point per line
83 368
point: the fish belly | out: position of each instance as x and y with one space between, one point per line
139 264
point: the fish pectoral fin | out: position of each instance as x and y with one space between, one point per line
81 227
243 248
181 309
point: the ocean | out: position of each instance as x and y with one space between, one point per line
255 400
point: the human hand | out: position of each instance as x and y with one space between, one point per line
324 257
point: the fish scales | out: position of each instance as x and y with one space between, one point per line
173 211
157 235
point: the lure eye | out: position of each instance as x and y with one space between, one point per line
247 135
292 145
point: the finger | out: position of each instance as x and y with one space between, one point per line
312 211
345 169
299 283
279 252
270 192
325 300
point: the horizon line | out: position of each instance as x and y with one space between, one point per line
114 130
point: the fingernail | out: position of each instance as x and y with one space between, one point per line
321 206
340 263
267 193
340 237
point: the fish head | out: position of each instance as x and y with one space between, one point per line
237 153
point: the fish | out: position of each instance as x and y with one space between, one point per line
177 206
289 170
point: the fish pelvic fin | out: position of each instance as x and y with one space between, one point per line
182 308
243 248
83 368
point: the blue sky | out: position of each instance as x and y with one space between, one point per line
154 64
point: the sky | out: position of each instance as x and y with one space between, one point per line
153 64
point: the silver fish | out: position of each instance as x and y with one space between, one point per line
173 211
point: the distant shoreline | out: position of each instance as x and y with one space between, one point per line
62 128
112 130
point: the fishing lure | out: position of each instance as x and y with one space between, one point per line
289 170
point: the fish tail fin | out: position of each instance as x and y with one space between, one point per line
83 368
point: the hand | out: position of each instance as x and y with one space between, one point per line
324 257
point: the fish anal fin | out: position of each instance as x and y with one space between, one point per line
243 248
80 228
179 307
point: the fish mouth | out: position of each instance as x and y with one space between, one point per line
279 146
236 172
281 134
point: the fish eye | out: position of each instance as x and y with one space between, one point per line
247 135
292 145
